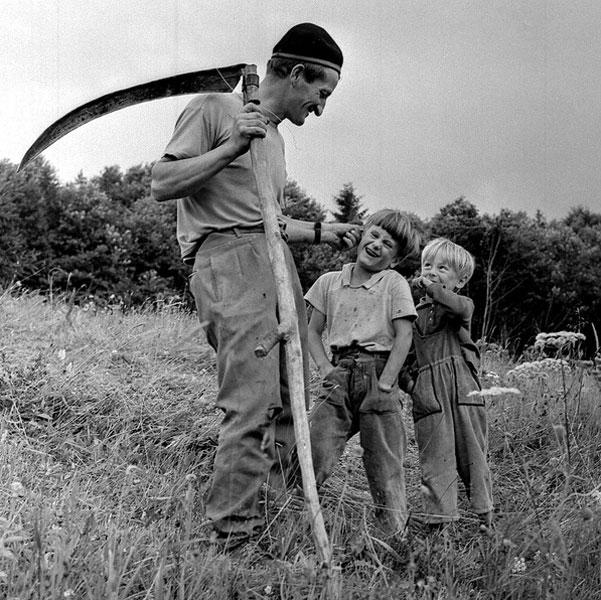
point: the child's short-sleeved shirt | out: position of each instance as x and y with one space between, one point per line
362 315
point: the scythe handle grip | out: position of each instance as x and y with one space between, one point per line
250 85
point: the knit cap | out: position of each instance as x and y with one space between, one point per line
309 43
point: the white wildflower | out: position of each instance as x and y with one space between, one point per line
518 565
494 391
558 340
538 369
491 377
17 489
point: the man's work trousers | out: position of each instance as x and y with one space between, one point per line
235 294
350 402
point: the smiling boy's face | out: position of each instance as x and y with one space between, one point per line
438 269
377 249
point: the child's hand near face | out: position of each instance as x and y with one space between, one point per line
422 282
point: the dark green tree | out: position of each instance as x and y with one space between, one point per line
28 201
350 209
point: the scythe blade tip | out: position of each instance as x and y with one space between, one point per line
220 79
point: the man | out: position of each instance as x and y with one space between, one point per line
208 167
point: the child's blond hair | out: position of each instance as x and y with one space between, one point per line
400 228
458 258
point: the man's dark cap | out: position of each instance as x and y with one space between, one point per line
309 43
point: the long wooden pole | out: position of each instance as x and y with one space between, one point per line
288 331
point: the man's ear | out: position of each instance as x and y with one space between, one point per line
297 72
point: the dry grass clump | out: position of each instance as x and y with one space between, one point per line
107 433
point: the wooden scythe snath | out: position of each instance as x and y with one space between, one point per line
288 331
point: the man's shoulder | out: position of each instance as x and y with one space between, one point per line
216 101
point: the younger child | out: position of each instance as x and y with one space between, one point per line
450 425
368 309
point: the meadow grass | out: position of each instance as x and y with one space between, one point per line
107 435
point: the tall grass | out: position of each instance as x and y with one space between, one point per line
107 434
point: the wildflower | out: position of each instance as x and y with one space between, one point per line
518 565
16 489
538 369
559 340
268 589
68 593
495 391
491 377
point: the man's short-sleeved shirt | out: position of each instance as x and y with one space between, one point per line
362 315
230 198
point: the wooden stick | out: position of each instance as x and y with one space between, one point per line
289 329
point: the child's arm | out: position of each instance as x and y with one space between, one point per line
400 348
452 303
316 348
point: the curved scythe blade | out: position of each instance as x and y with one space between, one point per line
223 79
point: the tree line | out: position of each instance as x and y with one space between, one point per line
105 238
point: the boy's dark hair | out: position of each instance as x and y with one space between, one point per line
399 227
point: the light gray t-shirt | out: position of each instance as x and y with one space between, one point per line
230 198
362 315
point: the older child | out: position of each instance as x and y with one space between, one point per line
450 425
369 310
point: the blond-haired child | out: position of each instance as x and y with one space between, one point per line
450 424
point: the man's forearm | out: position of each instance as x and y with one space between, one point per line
179 178
337 234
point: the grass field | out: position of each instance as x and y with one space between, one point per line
107 434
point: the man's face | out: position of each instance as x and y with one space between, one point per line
306 98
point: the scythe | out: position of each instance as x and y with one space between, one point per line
225 79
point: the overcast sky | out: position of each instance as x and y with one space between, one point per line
499 101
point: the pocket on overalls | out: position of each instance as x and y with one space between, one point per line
465 384
425 402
